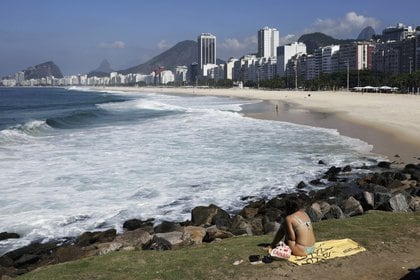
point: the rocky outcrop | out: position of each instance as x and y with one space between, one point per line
8 235
348 194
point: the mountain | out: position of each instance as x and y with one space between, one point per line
315 40
183 53
366 34
43 70
103 70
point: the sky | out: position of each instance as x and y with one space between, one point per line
78 34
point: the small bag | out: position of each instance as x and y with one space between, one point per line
282 251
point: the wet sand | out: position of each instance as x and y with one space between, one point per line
383 142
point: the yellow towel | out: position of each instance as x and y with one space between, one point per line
329 249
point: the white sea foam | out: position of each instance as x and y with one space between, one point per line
97 177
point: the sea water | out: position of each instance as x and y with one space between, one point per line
74 161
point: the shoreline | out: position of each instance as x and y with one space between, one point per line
388 122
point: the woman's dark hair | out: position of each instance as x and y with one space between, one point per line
292 206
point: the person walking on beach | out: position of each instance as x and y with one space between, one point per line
296 230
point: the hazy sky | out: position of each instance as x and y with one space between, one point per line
77 35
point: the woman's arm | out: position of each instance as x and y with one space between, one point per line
289 229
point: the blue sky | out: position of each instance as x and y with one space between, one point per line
77 35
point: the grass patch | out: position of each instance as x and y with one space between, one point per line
214 261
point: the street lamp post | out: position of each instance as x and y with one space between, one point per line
348 76
296 76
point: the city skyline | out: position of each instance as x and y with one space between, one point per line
78 35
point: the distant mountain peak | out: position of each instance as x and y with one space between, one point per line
183 53
105 66
103 70
43 70
366 34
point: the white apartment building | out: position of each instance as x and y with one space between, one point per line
268 42
285 53
20 78
327 58
229 68
166 77
181 74
206 49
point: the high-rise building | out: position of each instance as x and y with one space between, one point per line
284 53
206 49
417 49
356 56
268 41
327 65
397 33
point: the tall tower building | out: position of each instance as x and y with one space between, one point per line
417 49
268 41
206 49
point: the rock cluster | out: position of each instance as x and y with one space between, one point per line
346 193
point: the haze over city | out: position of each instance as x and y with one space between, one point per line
77 35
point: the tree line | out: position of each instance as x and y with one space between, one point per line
338 80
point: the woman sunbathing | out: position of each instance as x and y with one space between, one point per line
296 230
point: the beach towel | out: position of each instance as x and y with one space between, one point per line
329 249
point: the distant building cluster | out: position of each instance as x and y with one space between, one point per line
396 51
158 77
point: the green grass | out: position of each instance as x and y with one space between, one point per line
214 261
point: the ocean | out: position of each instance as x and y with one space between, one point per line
74 160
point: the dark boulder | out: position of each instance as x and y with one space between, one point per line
316 182
88 238
6 261
413 170
68 253
159 244
314 212
40 249
382 201
137 239
213 233
26 260
249 212
167 226
210 215
351 207
389 180
257 204
367 199
301 185
257 227
276 202
347 168
273 214
384 164
335 212
398 203
337 192
134 224
240 226
333 171
8 235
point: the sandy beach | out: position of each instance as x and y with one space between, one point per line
388 122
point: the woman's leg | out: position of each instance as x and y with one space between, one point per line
297 249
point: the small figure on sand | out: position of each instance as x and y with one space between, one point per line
296 230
